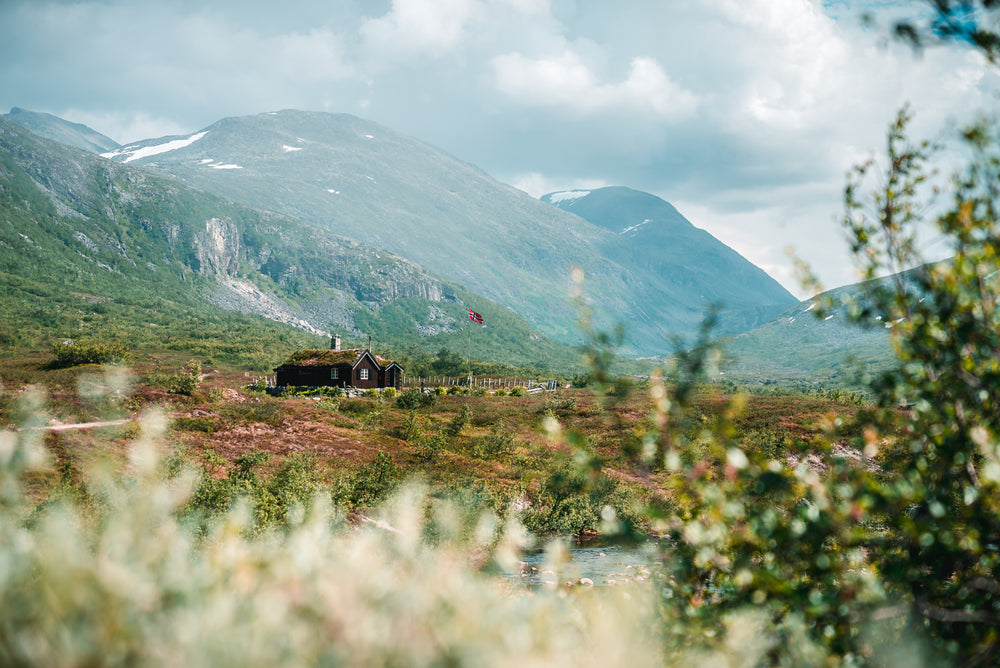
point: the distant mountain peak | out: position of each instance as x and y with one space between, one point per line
658 237
52 127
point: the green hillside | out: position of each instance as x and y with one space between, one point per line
93 248
814 341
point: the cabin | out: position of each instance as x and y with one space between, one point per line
354 367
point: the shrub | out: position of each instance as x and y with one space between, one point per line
186 381
459 422
498 443
207 425
370 484
73 353
358 407
142 587
265 411
571 502
411 427
414 398
517 392
432 445
258 385
389 392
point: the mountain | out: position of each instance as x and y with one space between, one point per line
799 344
57 129
365 181
88 244
682 260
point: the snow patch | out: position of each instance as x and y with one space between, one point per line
332 191
215 164
369 136
567 195
135 153
810 307
632 228
828 317
371 178
289 149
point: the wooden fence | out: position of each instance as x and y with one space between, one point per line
488 383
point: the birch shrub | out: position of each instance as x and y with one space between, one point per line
136 585
853 565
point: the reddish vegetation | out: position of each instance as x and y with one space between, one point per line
224 418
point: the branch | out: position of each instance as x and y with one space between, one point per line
950 615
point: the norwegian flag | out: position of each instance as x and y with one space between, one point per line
475 317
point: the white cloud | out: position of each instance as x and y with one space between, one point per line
122 126
536 184
527 7
433 26
566 81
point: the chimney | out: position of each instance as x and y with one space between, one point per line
369 344
335 343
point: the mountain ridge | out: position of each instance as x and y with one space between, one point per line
655 235
57 129
368 182
116 232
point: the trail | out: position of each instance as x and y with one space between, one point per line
78 425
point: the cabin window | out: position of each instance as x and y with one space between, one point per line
363 374
334 374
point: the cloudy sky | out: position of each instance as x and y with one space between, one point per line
745 114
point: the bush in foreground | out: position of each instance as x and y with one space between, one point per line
135 585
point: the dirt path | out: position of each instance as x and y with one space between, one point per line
78 425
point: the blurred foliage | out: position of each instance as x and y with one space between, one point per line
138 583
971 22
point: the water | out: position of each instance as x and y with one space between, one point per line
587 566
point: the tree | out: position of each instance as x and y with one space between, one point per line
448 363
943 506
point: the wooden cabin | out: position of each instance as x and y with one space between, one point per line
356 367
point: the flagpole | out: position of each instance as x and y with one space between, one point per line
473 317
468 350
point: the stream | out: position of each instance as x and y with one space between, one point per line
584 565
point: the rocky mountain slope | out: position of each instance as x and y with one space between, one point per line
364 181
681 260
85 230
